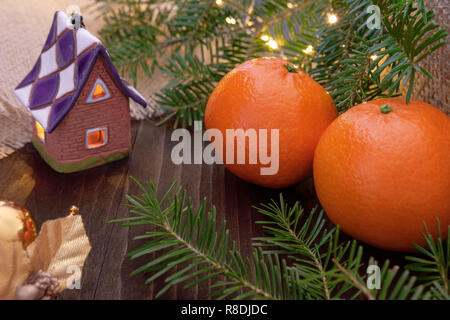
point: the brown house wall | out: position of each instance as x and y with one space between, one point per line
68 142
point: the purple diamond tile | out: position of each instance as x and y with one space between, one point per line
84 66
65 49
59 111
51 34
44 91
32 75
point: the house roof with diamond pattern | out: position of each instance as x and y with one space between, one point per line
53 85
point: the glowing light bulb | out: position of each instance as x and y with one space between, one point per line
230 20
332 18
265 38
309 49
374 57
272 44
219 3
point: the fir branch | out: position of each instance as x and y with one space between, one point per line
290 236
133 34
410 37
406 37
185 97
275 12
357 283
138 33
393 285
189 243
435 264
200 27
185 235
193 22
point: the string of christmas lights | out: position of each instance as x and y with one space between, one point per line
269 41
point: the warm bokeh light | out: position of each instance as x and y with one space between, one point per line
219 3
332 18
309 49
272 44
374 57
230 20
265 38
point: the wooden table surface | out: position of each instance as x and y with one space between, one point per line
99 192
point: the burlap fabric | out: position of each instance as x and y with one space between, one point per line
436 91
24 25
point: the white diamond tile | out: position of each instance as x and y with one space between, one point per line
23 94
66 81
84 40
48 62
62 22
41 116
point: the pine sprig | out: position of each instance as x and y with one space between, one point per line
393 286
332 269
298 258
410 38
201 29
194 78
355 63
433 267
286 235
188 237
133 35
358 63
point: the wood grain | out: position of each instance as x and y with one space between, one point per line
99 193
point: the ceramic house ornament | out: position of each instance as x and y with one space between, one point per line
78 100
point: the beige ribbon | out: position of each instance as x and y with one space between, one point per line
61 244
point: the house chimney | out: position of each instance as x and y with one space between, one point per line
77 21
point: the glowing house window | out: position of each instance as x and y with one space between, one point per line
99 92
40 131
96 138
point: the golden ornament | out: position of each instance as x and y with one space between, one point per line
16 223
73 210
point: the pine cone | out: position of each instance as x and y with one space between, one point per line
40 286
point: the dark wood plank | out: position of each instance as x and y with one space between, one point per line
99 193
